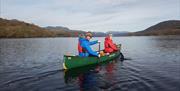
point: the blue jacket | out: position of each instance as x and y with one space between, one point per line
86 45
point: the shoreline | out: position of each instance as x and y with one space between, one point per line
77 37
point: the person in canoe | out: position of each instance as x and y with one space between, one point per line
110 47
84 44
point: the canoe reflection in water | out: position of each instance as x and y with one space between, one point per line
91 77
87 81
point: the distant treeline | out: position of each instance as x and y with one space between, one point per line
19 29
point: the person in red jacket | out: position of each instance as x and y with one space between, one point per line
109 45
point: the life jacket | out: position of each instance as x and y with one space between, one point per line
80 48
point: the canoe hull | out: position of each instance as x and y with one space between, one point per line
76 61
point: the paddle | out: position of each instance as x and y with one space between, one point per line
99 46
122 56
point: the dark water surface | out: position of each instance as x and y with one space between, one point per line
35 64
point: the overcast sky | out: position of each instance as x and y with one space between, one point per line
92 15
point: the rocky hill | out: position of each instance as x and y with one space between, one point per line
18 29
64 31
171 27
119 33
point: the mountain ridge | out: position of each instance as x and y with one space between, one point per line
20 29
169 27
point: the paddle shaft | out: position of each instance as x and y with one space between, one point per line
99 47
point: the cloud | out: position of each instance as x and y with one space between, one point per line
94 15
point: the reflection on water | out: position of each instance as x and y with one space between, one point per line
87 77
35 64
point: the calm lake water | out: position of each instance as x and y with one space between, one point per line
35 64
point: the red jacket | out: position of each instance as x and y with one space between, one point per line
109 45
80 49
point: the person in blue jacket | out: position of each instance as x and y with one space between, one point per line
84 46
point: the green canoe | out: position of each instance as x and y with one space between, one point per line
76 61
